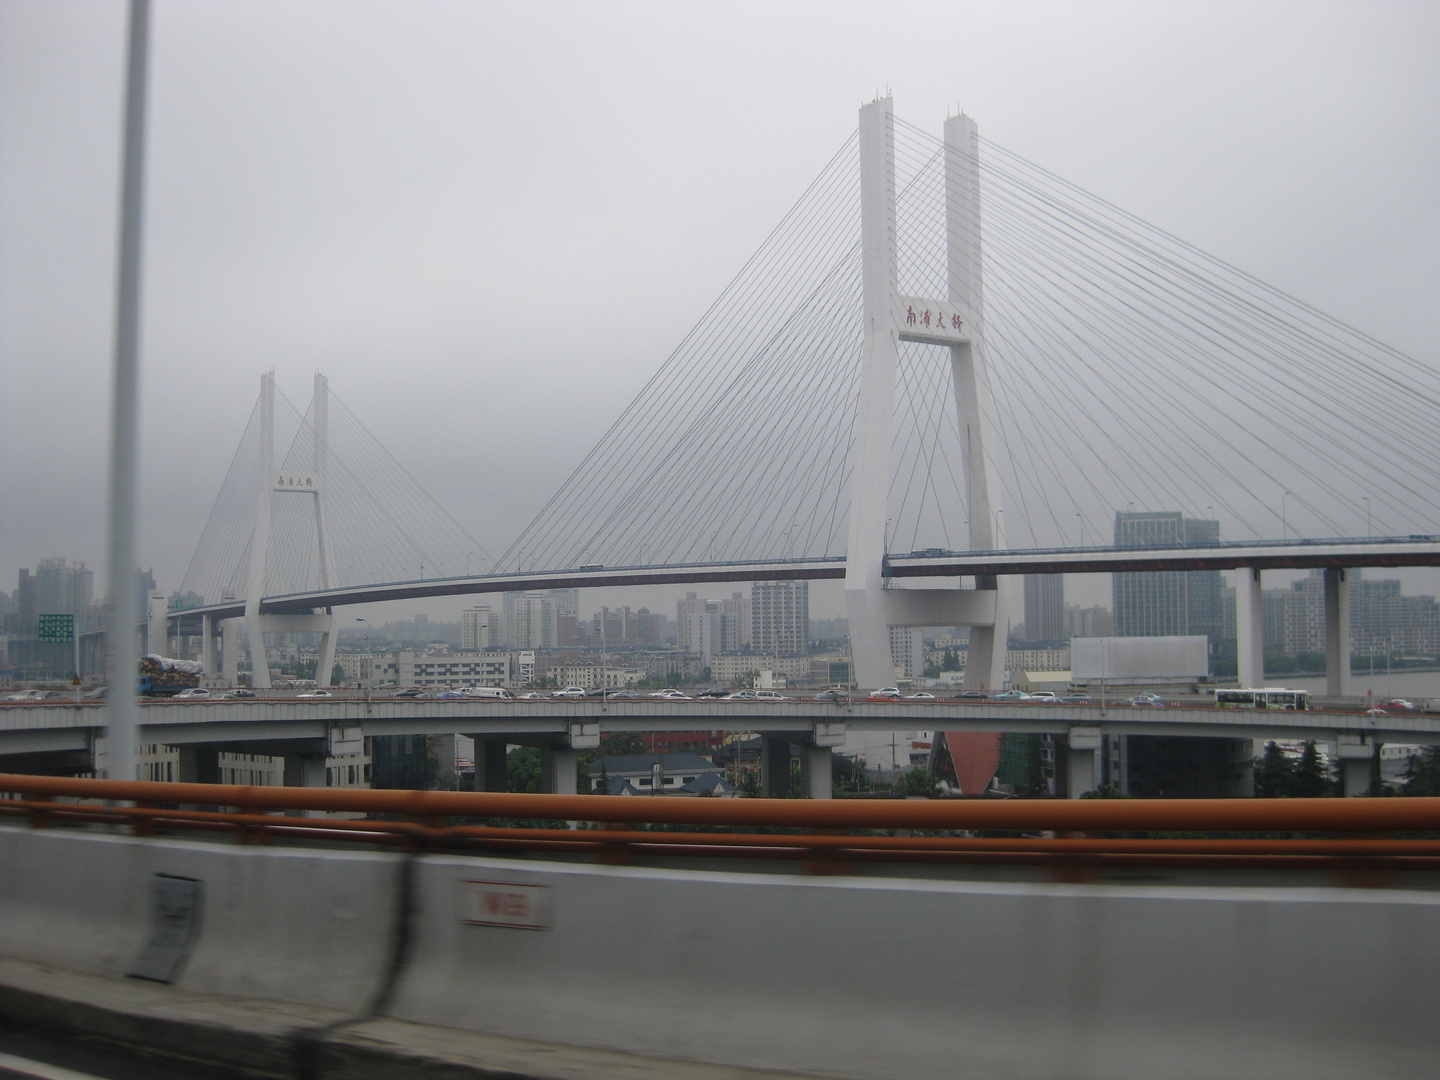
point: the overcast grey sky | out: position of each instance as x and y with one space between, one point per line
488 223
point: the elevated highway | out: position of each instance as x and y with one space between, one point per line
291 727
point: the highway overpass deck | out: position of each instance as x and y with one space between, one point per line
29 728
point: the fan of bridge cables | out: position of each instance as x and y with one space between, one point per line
1128 369
382 524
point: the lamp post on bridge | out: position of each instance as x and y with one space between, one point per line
1366 499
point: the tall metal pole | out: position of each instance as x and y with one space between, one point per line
121 674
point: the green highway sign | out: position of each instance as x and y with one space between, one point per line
59 628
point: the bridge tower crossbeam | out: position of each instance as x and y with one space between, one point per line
954 322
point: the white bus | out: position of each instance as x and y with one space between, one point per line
1271 697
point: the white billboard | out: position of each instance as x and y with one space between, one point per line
1139 658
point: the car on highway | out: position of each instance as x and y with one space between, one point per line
450 695
35 695
1147 701
1013 695
1076 699
239 692
569 692
98 694
486 693
532 695
1045 697
833 695
671 694
315 694
972 695
920 695
190 693
712 692
1399 705
885 693
624 695
409 692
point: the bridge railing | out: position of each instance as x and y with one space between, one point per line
1334 834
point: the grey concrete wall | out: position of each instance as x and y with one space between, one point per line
849 977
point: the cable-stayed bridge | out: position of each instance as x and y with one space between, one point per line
896 387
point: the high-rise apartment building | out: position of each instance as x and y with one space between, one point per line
907 651
1044 607
735 628
481 627
534 624
1163 603
780 616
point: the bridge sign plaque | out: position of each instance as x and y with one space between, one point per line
521 905
56 628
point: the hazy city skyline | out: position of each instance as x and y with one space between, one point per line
488 225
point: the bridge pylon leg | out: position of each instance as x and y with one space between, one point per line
872 605
1249 628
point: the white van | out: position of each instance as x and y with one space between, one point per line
490 692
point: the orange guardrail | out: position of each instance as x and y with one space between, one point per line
1345 833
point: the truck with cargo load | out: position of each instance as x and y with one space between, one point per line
161 676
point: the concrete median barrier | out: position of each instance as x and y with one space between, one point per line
861 977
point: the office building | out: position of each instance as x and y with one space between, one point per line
1044 607
1166 603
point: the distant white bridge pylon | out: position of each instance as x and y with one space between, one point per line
313 503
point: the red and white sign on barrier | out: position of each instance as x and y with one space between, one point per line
517 904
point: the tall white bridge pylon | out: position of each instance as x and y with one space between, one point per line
955 323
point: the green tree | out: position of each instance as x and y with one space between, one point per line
950 661
337 675
1274 774
1422 773
918 782
749 785
1311 781
1104 791
522 770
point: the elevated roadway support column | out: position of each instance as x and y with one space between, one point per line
1249 628
1355 763
1337 632
305 770
775 766
557 770
489 763
198 764
1083 757
817 768
230 650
